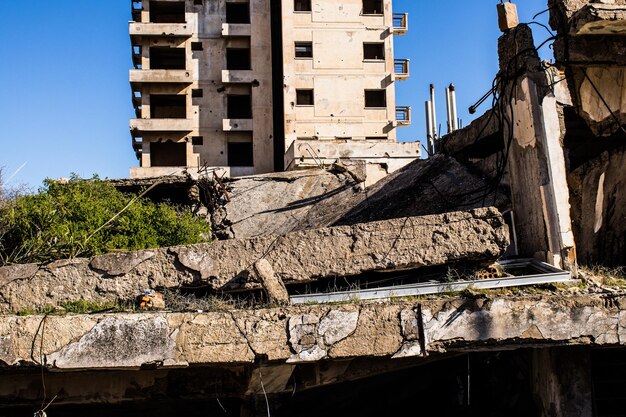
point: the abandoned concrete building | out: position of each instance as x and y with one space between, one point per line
260 86
455 285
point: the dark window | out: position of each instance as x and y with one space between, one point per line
375 98
240 154
167 12
372 6
239 106
374 50
237 12
196 46
168 154
376 138
304 97
302 5
167 58
197 92
238 58
168 107
197 140
197 2
304 50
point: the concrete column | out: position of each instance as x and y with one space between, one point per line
536 160
561 379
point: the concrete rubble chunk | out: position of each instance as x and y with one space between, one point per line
308 255
507 16
291 201
280 200
275 287
337 325
12 273
116 264
299 257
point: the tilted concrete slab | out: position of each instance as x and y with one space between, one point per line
298 257
312 333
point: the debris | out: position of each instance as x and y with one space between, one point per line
151 300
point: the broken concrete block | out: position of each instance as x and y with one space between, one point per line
479 235
507 16
115 264
275 287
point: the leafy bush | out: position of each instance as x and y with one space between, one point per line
64 220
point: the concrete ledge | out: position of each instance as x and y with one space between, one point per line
237 76
160 76
236 29
162 125
229 125
160 29
310 153
312 333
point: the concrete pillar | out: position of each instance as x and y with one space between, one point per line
561 379
536 160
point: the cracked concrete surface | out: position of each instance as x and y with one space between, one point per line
405 243
311 333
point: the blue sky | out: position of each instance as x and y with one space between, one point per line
65 97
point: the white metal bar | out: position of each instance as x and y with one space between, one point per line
548 274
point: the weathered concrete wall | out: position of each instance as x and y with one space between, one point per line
592 50
599 209
337 72
311 333
204 69
298 257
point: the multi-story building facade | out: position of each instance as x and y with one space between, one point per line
255 86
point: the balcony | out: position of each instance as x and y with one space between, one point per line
180 30
403 115
400 23
401 69
236 125
236 29
237 76
161 125
161 76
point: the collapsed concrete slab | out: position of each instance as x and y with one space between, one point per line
311 199
298 257
272 204
312 333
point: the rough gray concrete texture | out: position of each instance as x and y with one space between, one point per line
312 333
404 243
591 48
435 185
274 204
300 200
599 209
563 11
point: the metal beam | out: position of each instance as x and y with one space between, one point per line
544 274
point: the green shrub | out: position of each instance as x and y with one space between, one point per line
64 220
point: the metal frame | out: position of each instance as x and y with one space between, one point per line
546 274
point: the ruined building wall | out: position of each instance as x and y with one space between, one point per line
212 131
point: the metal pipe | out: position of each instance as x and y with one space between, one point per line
429 129
433 113
448 110
454 114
